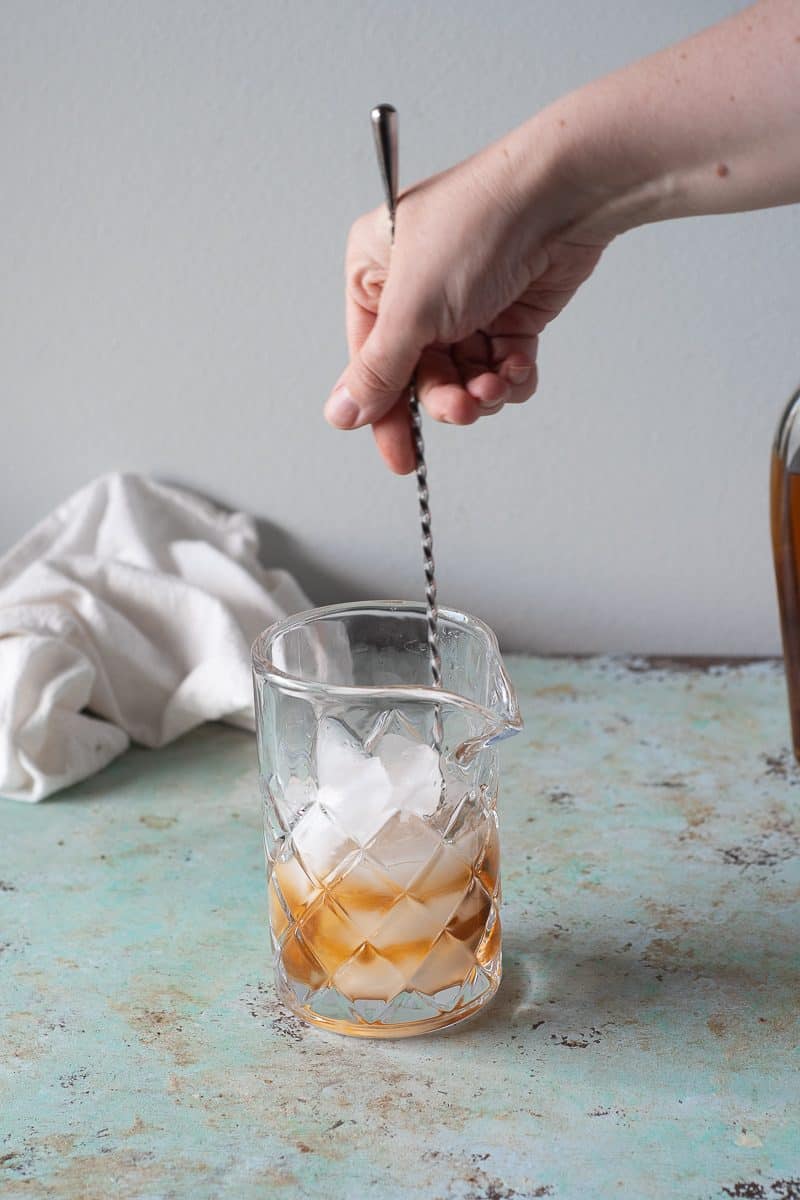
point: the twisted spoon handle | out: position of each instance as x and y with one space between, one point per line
384 127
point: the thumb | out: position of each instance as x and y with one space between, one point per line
378 373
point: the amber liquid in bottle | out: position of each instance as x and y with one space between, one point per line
785 522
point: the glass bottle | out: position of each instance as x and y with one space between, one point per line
785 522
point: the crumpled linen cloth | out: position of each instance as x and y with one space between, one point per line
127 614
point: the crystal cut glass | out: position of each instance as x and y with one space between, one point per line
382 847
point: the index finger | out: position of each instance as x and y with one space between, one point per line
366 269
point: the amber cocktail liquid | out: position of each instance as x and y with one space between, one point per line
383 858
401 929
785 522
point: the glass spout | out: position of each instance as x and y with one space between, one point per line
372 658
497 715
376 653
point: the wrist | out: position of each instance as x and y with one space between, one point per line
577 157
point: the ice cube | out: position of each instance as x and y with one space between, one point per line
412 769
358 793
320 844
353 787
402 846
296 795
341 757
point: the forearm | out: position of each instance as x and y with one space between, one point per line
707 126
489 252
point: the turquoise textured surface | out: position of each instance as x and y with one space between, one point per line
644 1042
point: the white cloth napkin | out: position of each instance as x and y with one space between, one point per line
128 613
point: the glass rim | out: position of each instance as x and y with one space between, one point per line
264 667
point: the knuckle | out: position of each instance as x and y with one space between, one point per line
365 284
412 302
461 410
369 233
523 392
375 373
359 230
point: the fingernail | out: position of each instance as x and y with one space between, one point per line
490 406
341 409
518 374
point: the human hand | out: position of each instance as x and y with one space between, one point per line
475 274
487 253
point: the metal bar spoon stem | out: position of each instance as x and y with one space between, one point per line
384 127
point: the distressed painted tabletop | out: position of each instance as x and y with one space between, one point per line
644 1042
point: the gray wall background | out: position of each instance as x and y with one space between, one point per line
178 179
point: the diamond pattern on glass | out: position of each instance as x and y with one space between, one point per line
367 894
403 845
447 963
368 975
384 896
